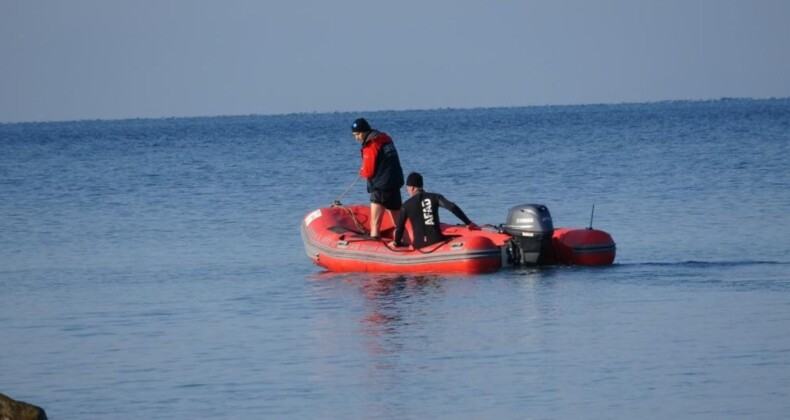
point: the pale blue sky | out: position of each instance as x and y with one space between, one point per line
87 59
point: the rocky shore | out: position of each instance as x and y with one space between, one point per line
11 409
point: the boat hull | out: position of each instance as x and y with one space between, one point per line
335 238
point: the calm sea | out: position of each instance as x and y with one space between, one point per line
154 268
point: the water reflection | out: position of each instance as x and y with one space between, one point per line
391 302
396 310
394 313
387 295
411 335
395 303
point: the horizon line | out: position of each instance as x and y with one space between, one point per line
449 108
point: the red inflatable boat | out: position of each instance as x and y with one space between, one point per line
336 238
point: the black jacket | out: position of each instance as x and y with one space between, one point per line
380 163
423 211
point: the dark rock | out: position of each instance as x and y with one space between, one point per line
19 410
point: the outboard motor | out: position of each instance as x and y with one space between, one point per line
531 227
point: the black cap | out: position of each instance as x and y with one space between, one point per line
414 180
360 126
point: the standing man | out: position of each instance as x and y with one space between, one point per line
422 208
381 167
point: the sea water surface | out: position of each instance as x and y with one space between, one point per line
154 268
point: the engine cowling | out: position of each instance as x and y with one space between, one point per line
532 228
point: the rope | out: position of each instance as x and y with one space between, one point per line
438 245
337 201
354 218
422 250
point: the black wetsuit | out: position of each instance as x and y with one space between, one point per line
423 211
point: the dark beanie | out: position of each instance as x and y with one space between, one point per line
360 126
414 180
